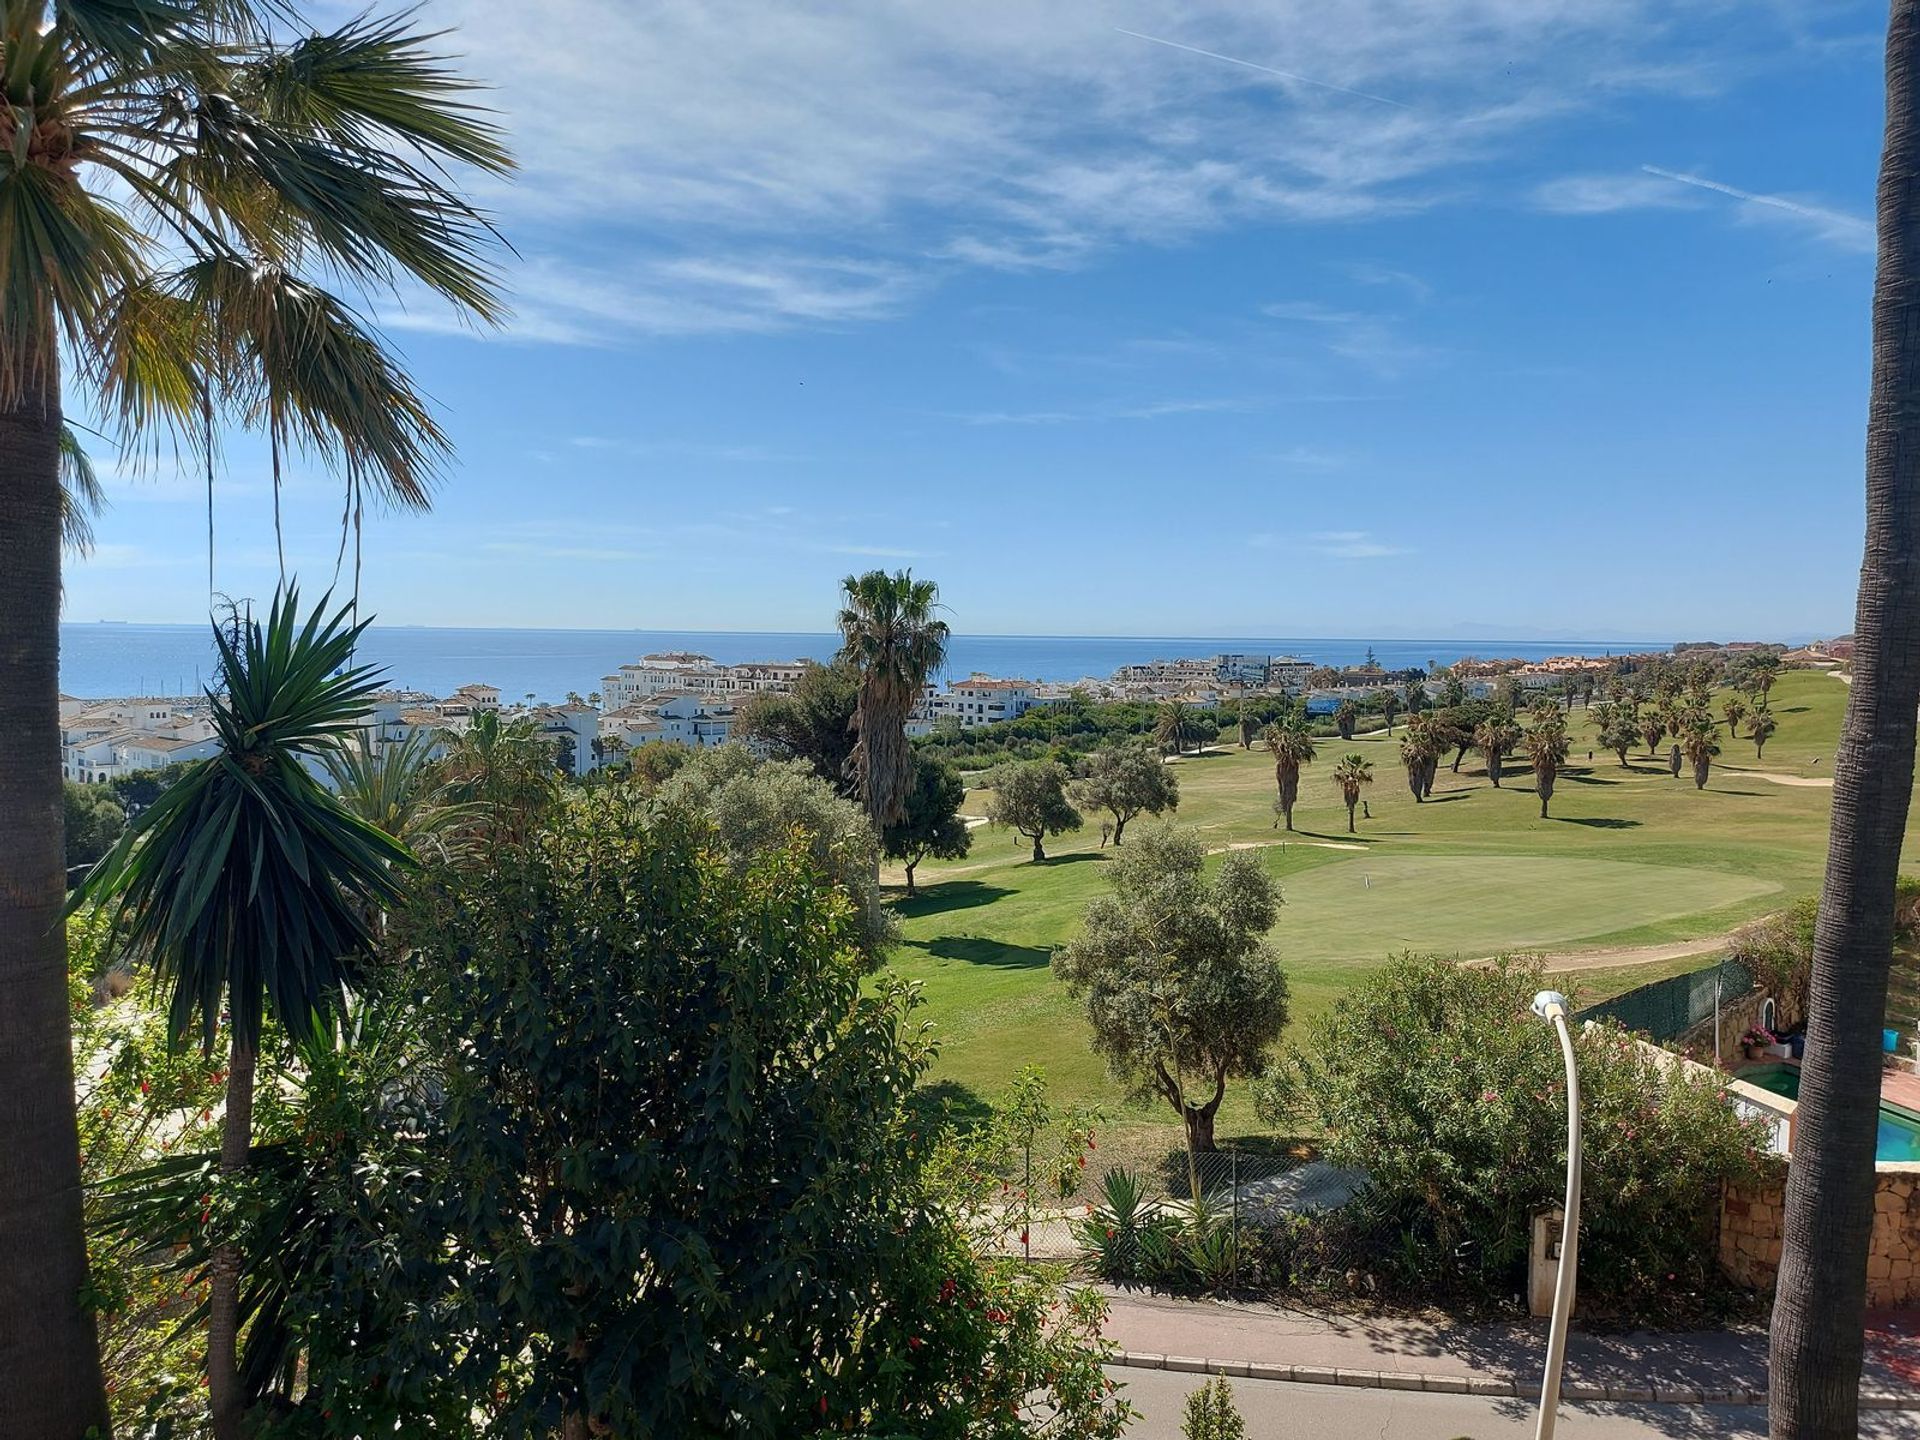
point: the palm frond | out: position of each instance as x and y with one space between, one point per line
81 495
373 81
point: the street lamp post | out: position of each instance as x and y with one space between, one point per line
1551 1005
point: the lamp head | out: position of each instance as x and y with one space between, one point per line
1549 1003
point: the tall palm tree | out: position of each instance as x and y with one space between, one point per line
1818 1312
1390 707
1345 717
1760 727
251 889
1736 709
1546 746
1352 774
173 167
889 632
1291 745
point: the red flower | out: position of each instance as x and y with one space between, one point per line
823 1404
914 1342
1023 1237
145 1088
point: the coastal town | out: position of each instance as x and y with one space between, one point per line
689 699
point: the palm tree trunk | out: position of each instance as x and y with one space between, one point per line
50 1382
1350 805
223 1305
1814 1376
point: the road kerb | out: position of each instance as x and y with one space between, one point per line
1487 1385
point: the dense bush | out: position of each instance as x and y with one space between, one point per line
1130 1238
1435 1080
94 820
623 1147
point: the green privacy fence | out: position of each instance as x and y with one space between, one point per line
1669 1007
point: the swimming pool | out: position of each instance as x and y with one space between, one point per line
1899 1132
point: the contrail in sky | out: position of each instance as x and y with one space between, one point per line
1268 70
1836 218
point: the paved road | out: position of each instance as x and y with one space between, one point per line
1275 1411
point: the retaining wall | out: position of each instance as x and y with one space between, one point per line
1752 1223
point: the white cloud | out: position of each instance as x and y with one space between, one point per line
1605 194
1832 227
1334 544
744 166
1368 340
1655 187
1353 545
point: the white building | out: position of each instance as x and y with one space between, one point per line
102 740
981 700
684 671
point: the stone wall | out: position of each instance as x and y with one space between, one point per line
1752 1223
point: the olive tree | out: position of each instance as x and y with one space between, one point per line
1029 797
1126 780
1181 989
756 805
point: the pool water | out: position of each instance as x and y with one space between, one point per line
1899 1132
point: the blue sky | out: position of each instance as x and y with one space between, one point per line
1529 317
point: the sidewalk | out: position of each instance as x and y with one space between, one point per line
1714 1366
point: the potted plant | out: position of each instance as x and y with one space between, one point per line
1760 1043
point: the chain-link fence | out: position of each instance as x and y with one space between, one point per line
1668 1008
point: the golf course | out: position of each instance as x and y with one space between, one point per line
1634 877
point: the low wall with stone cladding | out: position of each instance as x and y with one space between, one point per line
1752 1223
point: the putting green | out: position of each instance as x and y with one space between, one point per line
1368 907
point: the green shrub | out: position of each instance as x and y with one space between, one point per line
1435 1080
1777 949
1211 1414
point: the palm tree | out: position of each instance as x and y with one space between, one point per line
1546 747
1291 744
1760 728
1345 716
1170 726
1389 707
1352 774
1818 1314
401 790
250 888
1653 729
1698 744
175 170
889 633
1493 737
1420 754
1735 709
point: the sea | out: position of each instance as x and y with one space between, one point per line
109 659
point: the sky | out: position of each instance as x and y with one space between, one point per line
1393 318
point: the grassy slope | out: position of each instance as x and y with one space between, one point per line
1630 857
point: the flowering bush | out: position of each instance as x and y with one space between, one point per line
1433 1079
140 1102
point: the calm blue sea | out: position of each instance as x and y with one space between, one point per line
114 660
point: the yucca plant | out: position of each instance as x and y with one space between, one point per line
250 889
179 179
402 790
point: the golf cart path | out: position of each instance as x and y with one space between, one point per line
1611 957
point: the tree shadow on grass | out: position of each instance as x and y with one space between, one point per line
978 951
1072 857
1446 799
946 1103
1595 822
1344 837
948 895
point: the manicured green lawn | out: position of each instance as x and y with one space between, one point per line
1630 857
